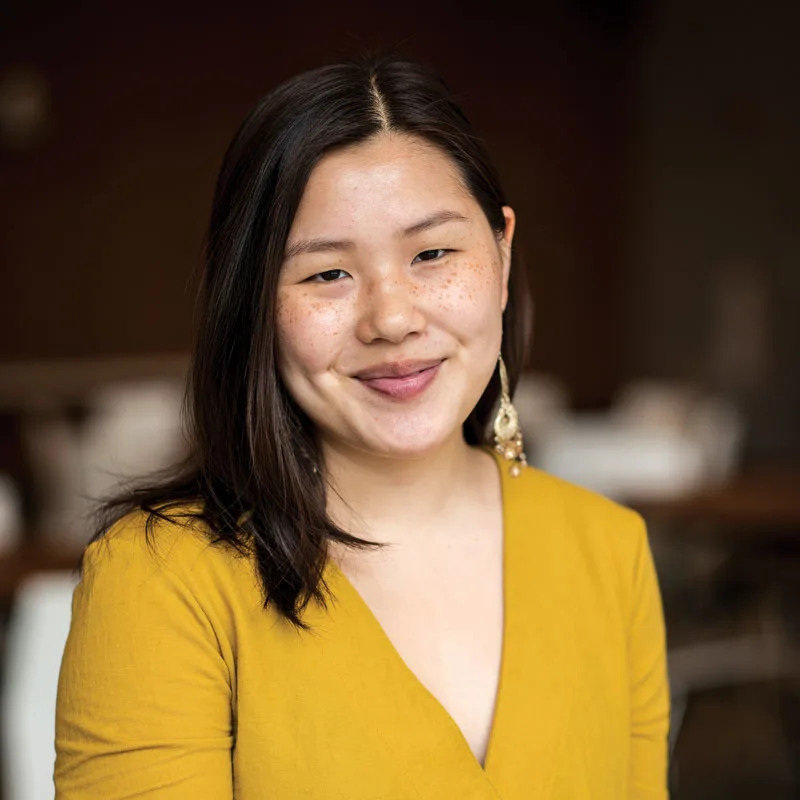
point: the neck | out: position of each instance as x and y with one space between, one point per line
396 499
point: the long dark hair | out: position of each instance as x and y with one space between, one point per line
253 467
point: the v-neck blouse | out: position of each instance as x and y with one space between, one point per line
176 683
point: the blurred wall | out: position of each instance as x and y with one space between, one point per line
102 218
713 254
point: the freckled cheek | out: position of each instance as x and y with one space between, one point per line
310 332
470 293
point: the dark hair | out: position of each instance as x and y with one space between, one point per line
252 464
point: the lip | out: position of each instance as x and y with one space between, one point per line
401 380
396 369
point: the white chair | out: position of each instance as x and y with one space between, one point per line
34 646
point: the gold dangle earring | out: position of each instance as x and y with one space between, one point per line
507 433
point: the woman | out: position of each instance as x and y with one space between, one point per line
344 592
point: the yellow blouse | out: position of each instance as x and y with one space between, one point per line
176 683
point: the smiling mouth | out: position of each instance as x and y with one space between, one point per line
397 369
405 386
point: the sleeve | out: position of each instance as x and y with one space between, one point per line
649 686
144 694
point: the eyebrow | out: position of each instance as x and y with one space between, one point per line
431 221
336 245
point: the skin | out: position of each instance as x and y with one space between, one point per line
400 471
386 296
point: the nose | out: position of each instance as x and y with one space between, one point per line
389 310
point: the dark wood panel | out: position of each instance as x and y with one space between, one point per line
103 221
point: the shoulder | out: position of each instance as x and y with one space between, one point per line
177 549
592 534
152 650
568 505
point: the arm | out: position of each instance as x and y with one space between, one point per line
144 695
650 701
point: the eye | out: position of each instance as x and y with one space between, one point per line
431 255
329 276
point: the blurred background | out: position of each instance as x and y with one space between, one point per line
650 150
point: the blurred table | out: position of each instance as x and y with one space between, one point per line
764 501
729 561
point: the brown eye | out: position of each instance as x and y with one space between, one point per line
431 255
329 276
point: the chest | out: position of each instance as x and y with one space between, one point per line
443 618
395 694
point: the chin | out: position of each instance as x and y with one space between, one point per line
405 451
410 439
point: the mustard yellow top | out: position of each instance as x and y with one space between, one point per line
176 683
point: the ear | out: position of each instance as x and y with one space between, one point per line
505 243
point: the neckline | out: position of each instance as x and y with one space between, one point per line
412 679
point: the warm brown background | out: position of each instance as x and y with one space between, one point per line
102 224
651 152
649 148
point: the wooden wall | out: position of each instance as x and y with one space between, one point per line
102 220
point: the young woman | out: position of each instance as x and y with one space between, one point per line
354 587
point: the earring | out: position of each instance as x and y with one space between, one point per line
507 434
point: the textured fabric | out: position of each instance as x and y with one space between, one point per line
176 683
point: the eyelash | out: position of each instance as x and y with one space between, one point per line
443 251
314 278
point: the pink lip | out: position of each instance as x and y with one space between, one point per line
405 384
396 369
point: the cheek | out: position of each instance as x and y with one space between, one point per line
309 332
471 294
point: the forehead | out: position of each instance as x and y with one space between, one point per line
391 175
